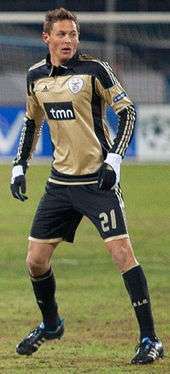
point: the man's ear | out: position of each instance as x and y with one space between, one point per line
45 37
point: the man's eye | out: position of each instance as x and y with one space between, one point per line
60 34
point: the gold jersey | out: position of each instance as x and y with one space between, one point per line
72 98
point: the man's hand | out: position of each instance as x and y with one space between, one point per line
109 173
18 183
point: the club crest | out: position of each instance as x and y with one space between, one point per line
75 84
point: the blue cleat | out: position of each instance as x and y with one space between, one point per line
148 351
38 336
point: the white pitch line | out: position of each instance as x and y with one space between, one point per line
67 261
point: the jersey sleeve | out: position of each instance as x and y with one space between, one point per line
110 90
31 128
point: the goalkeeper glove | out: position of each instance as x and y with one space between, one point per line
18 183
109 173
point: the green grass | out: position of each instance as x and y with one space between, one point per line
101 331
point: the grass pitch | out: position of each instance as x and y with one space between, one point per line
100 328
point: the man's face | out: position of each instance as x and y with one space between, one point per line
62 41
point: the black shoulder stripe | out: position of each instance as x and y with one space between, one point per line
101 69
105 75
35 74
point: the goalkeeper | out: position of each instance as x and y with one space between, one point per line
71 91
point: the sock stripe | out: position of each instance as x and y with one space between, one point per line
42 277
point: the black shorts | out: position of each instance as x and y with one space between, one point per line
62 207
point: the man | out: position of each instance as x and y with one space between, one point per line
71 91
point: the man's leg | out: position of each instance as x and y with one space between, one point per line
55 220
43 281
136 284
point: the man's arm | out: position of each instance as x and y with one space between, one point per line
27 144
108 87
110 172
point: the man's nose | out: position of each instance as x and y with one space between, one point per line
67 38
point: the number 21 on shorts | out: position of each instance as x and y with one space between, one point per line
107 220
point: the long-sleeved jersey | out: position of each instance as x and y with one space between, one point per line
72 98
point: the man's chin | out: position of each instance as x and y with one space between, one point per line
64 60
66 56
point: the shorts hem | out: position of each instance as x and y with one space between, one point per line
123 236
53 240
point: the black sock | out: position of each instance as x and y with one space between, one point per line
44 289
137 288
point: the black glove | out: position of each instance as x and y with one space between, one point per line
106 177
18 183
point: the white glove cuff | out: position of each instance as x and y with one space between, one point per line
16 171
114 160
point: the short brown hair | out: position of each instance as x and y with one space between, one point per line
59 14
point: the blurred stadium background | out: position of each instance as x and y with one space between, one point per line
133 36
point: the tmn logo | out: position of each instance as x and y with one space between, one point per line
60 111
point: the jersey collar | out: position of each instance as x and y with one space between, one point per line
61 68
